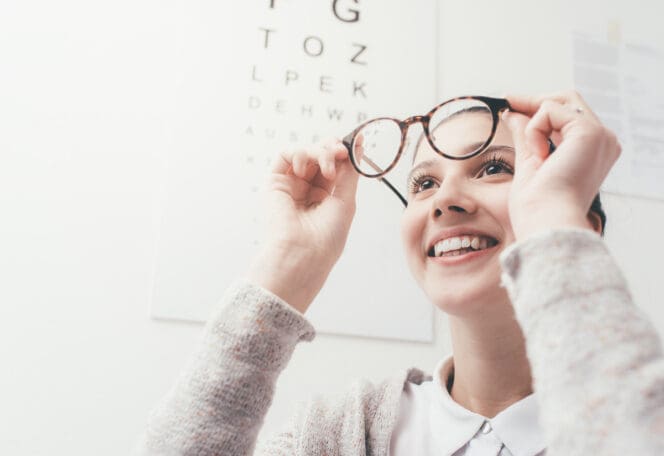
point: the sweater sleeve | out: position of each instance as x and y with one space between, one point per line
597 361
218 404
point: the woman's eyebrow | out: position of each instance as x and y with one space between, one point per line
432 162
421 165
491 148
499 147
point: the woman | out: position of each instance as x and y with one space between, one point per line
594 361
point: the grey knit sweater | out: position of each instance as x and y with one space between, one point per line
597 365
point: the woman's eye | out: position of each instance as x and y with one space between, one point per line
426 184
420 185
495 168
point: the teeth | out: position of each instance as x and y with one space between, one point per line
464 242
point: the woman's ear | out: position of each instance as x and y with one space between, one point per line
595 221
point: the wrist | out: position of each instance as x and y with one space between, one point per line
293 274
536 222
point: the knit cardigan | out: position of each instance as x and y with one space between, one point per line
596 361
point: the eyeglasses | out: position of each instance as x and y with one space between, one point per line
377 145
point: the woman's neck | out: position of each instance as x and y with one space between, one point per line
491 370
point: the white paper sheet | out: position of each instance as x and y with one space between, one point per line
622 82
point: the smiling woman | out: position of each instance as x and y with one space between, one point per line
452 201
549 352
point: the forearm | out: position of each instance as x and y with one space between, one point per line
218 404
596 360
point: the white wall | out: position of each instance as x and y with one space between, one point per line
82 160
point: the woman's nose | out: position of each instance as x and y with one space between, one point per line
454 196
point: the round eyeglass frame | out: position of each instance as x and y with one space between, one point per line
496 105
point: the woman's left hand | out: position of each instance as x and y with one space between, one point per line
557 190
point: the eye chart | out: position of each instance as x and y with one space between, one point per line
262 76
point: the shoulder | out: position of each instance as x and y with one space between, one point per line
363 416
364 401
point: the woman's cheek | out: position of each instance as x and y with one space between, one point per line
407 236
502 214
412 232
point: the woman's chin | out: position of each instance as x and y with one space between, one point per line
464 300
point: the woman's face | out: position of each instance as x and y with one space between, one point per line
454 202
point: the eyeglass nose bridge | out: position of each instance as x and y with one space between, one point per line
415 119
405 126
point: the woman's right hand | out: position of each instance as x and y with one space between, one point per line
311 204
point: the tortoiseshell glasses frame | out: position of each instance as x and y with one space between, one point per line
495 105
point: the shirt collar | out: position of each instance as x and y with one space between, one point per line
517 426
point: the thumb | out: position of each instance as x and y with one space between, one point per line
346 182
524 155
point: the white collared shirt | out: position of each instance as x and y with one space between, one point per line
431 423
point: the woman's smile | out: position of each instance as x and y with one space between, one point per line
464 255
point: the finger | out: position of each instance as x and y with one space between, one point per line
525 157
359 147
327 154
317 161
324 156
568 97
282 162
550 118
340 153
295 162
300 163
346 182
556 138
333 144
320 181
319 166
359 139
529 105
357 151
333 150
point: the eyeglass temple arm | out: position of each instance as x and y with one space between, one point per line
385 181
